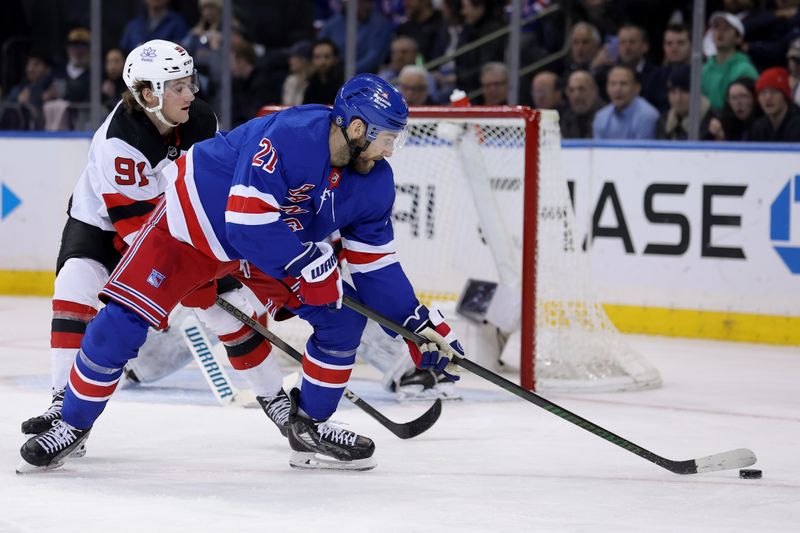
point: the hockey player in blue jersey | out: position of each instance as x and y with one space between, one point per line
258 203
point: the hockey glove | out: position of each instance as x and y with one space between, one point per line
438 353
318 271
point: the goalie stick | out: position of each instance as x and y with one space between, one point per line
404 430
720 461
217 378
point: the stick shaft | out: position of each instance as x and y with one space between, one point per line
678 467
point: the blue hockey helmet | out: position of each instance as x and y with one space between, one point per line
377 103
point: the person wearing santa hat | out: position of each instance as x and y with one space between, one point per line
781 120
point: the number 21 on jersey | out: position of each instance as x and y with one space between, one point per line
267 151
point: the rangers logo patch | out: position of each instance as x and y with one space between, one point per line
156 278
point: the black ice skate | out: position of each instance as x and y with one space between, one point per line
318 444
421 384
51 448
41 423
277 410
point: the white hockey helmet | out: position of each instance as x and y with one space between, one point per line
158 62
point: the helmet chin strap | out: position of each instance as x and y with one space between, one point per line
355 151
156 110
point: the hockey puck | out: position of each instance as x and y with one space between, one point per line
749 473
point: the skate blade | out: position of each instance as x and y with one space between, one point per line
313 461
79 452
24 467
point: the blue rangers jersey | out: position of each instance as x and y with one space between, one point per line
263 189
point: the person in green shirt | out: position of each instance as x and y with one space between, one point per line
728 64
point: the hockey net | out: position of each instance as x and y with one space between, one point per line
468 184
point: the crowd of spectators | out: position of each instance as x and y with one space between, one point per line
624 75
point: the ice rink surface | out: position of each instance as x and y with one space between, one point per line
166 458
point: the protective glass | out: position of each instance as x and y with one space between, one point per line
180 86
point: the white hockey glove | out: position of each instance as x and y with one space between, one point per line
318 269
437 354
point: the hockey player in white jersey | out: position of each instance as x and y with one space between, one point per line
158 120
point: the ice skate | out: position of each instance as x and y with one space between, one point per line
318 444
41 423
50 449
277 410
424 385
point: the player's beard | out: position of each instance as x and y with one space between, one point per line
362 165
341 156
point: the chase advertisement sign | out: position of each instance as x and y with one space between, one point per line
784 210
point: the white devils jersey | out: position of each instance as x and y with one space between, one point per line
122 181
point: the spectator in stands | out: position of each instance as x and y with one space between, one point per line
632 48
677 47
413 85
29 95
156 22
295 84
206 35
728 64
781 120
734 121
326 73
481 17
546 91
584 43
673 124
628 116
494 83
423 24
250 86
403 51
70 110
793 60
373 35
77 75
113 84
584 102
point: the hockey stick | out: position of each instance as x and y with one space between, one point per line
217 378
720 461
404 430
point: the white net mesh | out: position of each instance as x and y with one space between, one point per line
458 216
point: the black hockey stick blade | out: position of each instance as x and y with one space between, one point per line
404 430
721 461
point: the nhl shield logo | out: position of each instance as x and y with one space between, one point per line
156 278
